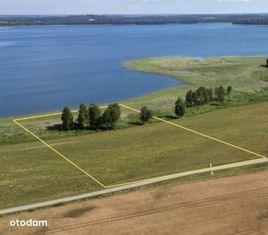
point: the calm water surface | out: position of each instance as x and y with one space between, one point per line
45 68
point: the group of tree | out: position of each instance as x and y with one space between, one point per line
199 97
91 117
204 95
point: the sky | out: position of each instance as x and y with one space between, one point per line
132 6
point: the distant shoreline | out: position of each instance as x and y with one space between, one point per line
244 19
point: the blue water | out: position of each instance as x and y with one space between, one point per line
44 68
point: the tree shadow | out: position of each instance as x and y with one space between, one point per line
169 117
217 104
59 127
264 66
56 127
137 123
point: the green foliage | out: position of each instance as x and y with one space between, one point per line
82 117
220 94
180 107
229 89
110 116
204 95
189 98
94 115
145 114
67 119
199 97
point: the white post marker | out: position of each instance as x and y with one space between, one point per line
211 171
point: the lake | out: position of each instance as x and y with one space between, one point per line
44 68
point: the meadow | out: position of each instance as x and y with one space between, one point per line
247 75
31 172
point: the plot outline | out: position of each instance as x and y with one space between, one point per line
16 121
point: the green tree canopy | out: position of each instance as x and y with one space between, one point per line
110 116
94 116
180 108
189 98
220 94
83 117
145 114
67 119
229 89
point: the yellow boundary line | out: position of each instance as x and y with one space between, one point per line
137 181
198 133
61 155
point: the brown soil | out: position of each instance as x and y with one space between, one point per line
234 205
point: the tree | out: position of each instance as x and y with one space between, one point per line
189 98
110 116
203 95
195 98
211 94
229 90
67 119
180 107
83 117
145 114
267 63
220 94
94 116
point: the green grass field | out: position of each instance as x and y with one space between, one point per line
30 172
159 149
34 173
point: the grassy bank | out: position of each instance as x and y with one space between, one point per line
247 75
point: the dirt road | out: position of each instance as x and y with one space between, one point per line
234 205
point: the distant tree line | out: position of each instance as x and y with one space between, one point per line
133 19
91 118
